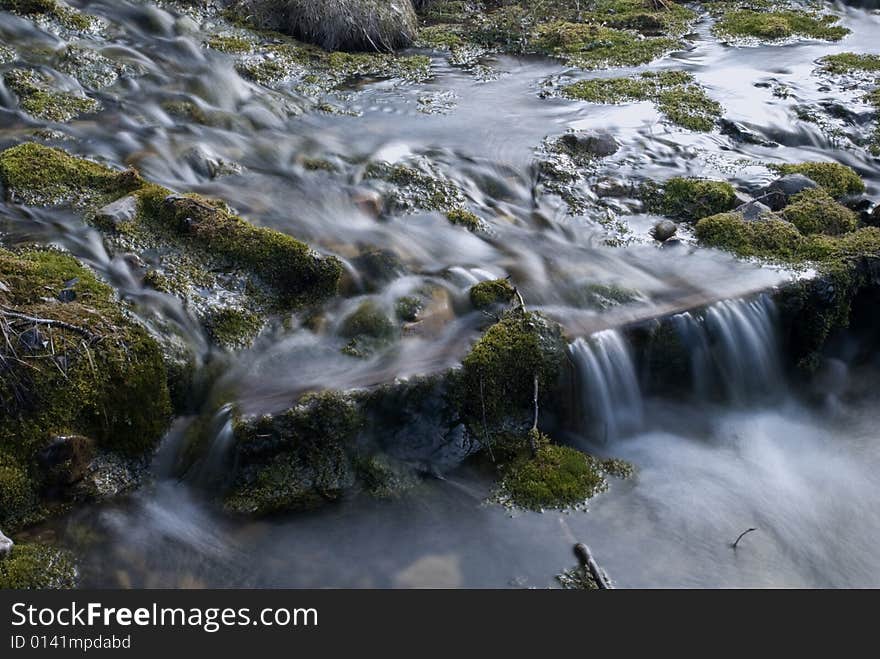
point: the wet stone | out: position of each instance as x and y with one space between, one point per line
664 230
117 213
753 211
777 194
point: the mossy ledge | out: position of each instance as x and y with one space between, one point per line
38 174
75 364
776 24
689 199
332 444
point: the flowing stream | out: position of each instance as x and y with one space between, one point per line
741 451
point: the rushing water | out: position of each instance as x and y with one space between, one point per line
738 454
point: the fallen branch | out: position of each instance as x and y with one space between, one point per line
741 536
48 322
585 556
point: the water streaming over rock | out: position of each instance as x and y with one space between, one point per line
609 394
733 350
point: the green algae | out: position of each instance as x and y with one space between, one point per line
368 328
38 99
233 328
37 567
837 180
689 199
675 93
490 293
67 16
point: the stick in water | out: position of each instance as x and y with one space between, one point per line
741 535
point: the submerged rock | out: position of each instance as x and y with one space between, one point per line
588 145
352 25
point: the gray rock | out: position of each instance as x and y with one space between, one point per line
753 211
664 230
337 24
589 145
874 218
118 212
6 545
777 194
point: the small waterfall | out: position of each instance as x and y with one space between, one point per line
213 467
610 396
733 349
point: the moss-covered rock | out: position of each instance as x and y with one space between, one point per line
74 364
499 374
837 180
37 567
295 460
368 327
775 25
840 63
603 33
815 211
464 218
554 477
38 98
677 96
690 199
60 11
489 293
204 246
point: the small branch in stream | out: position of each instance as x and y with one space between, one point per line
741 536
585 556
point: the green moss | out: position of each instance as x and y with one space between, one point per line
690 199
382 478
603 33
417 189
775 25
42 174
37 567
464 218
779 240
18 493
68 16
815 211
555 477
604 296
675 93
293 269
295 460
38 99
838 180
498 375
226 43
489 293
595 46
233 328
104 380
850 62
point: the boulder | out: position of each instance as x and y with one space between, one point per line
753 211
777 194
351 25
588 145
66 459
664 230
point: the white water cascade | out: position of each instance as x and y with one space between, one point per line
611 399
